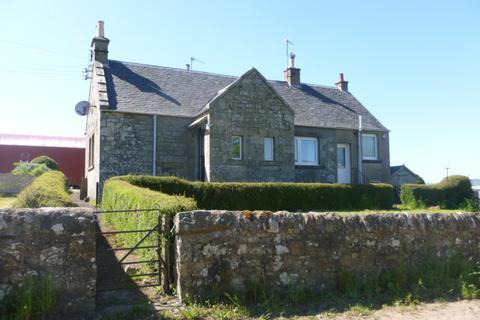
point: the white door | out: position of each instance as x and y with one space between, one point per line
343 163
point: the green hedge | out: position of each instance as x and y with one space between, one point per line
451 193
121 195
48 190
272 196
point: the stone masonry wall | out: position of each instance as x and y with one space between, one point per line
56 242
226 251
326 170
126 144
250 109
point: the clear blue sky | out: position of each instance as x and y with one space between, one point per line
413 64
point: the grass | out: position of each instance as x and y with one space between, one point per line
34 298
432 279
7 202
406 209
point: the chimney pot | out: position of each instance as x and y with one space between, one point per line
100 29
99 44
342 84
188 66
292 74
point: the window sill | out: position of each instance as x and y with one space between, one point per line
371 161
307 165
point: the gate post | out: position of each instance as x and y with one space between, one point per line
167 252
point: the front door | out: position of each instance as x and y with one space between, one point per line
343 163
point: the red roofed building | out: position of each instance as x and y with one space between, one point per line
69 152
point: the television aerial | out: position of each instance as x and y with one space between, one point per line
82 107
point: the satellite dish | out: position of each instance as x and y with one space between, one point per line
82 107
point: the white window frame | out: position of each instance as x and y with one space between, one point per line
265 139
376 146
298 151
241 147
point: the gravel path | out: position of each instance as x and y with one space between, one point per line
459 310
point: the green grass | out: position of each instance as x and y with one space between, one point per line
7 202
432 279
35 298
401 208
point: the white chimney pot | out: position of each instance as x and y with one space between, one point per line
100 29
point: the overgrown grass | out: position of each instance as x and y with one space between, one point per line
34 298
120 195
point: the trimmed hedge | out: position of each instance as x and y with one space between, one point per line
121 195
451 193
48 190
272 196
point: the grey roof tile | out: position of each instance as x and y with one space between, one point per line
134 87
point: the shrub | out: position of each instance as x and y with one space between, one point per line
46 160
121 195
451 193
272 196
48 190
31 169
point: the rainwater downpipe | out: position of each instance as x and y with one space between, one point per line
360 169
154 167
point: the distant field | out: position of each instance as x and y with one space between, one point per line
6 202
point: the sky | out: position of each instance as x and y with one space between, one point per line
414 64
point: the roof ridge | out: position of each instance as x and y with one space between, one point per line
173 68
214 73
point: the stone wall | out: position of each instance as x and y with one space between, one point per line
176 147
253 110
225 251
126 144
56 242
326 170
11 184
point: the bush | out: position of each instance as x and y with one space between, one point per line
121 195
48 190
272 196
47 161
30 169
451 193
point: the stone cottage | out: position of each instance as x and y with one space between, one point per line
155 120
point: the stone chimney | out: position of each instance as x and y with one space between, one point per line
100 44
292 74
342 84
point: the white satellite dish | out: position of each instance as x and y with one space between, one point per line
82 107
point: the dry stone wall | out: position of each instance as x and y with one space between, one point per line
228 251
51 242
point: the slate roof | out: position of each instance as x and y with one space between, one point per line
394 169
139 88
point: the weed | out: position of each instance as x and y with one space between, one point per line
33 298
360 310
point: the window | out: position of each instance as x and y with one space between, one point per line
268 149
369 146
237 148
306 153
91 150
341 157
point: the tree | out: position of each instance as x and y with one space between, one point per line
49 162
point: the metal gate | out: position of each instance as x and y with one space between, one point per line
121 267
